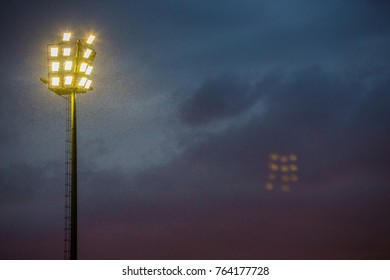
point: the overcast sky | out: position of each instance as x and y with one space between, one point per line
190 98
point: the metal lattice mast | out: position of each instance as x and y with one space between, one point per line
68 176
73 192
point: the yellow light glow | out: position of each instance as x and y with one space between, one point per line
68 65
82 81
274 156
68 80
88 84
66 37
284 168
293 157
83 67
283 159
90 39
89 70
54 52
274 167
269 186
55 65
285 178
293 167
87 53
66 52
55 81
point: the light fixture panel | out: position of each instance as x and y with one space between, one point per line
55 66
55 81
89 70
91 38
68 80
66 37
54 52
66 51
87 53
68 65
88 84
83 81
83 67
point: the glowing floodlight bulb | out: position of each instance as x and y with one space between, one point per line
87 53
83 81
66 37
293 167
90 39
54 52
269 186
66 52
68 80
55 65
68 65
88 84
274 157
283 159
274 167
293 157
284 168
89 70
55 81
83 67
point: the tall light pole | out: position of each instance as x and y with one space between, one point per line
69 70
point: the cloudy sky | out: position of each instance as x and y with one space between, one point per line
190 98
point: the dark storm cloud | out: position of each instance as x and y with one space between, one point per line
217 98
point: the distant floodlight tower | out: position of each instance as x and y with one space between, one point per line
282 171
69 70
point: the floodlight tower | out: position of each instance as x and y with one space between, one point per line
69 70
